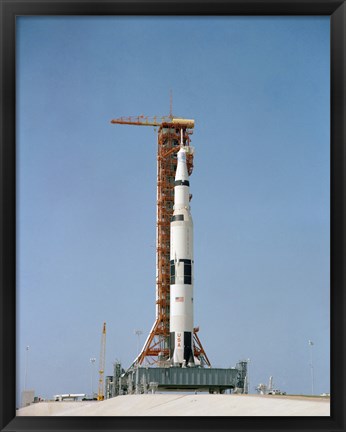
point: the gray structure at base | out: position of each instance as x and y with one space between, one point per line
139 380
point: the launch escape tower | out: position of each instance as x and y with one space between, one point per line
170 130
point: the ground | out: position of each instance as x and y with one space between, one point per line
173 404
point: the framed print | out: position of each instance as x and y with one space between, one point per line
172 228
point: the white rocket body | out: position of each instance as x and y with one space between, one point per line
181 269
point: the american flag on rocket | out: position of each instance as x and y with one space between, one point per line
179 299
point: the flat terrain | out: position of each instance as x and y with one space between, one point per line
169 404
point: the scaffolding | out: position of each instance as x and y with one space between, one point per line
155 351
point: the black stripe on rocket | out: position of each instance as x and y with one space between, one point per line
181 183
179 217
187 271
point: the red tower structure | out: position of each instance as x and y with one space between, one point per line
155 351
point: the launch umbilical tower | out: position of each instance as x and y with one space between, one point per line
171 132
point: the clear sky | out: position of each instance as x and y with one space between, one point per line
258 89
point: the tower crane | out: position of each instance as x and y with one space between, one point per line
101 392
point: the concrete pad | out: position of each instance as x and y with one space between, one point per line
50 408
185 405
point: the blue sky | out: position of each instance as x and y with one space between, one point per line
258 89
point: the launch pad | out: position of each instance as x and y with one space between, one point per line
141 380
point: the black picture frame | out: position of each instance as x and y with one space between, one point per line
9 10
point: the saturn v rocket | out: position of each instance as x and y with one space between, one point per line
181 269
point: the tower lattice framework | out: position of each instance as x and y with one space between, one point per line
156 347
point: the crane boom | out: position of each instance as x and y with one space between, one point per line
101 393
155 121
